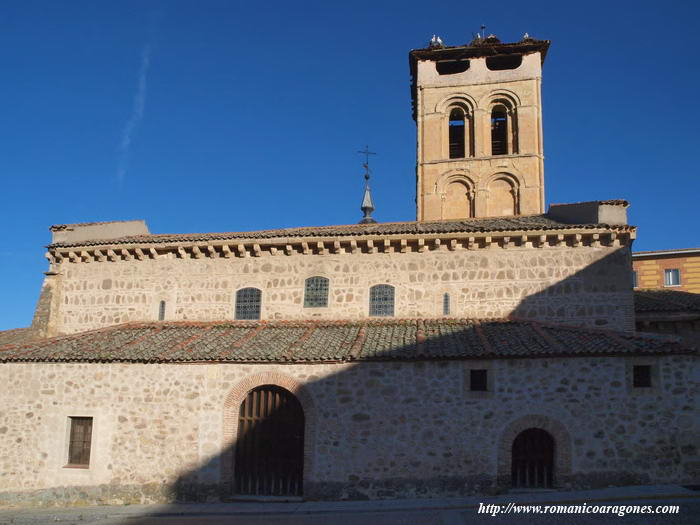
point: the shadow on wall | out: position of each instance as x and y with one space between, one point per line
403 423
390 426
600 295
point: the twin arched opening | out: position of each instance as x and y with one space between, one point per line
461 129
498 196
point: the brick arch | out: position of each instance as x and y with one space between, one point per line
562 447
232 405
462 100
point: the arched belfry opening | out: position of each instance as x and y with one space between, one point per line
269 457
532 464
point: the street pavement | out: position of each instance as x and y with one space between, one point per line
448 511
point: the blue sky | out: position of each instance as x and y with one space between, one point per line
229 116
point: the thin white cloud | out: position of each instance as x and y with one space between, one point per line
136 114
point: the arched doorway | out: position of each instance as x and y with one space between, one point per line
269 458
532 463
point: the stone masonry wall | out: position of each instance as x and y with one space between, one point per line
584 285
373 430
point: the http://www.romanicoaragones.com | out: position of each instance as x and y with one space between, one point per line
495 509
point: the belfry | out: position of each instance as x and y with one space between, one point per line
478 116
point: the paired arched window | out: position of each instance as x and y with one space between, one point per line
503 130
459 130
248 303
316 292
381 300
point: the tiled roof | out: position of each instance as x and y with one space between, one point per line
493 224
666 252
609 202
666 301
487 47
16 335
334 341
61 227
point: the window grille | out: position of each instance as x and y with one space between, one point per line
316 292
381 300
248 302
161 311
446 304
79 443
672 277
634 279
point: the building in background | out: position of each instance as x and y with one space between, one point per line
667 269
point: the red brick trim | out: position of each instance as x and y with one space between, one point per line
232 405
562 447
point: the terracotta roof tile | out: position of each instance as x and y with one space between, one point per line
493 224
333 341
16 335
666 301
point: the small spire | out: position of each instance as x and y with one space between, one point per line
367 204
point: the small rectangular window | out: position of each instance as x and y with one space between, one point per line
79 441
672 277
634 279
641 376
478 381
446 304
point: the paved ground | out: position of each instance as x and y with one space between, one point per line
455 511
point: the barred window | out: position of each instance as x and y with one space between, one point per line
248 304
79 443
381 300
446 304
161 311
316 292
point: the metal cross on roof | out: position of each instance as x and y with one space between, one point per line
366 153
367 204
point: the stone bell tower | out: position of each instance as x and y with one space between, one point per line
478 112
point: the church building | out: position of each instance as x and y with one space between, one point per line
487 345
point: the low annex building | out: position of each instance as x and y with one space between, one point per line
487 345
390 408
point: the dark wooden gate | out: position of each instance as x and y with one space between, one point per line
269 457
533 459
